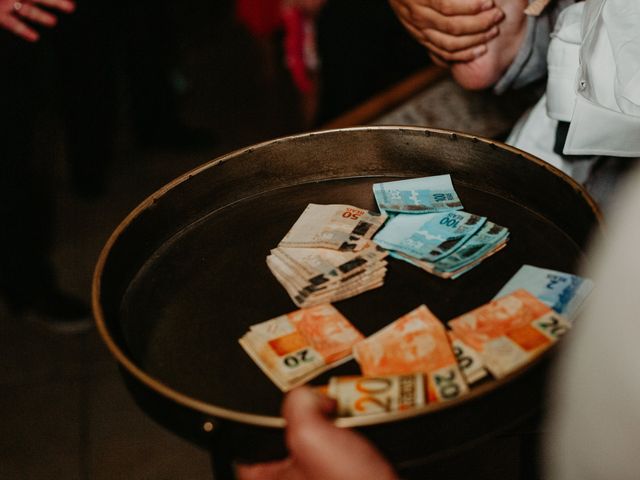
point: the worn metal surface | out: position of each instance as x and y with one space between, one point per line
184 276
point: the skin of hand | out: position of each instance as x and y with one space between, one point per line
16 16
452 30
318 450
484 71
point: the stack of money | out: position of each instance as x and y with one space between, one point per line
510 331
414 360
415 343
445 244
294 348
429 231
328 255
563 292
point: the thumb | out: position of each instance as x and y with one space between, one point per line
304 405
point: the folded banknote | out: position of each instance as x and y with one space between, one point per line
356 395
415 343
417 195
338 227
509 331
429 237
487 241
563 292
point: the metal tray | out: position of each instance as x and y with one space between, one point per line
184 276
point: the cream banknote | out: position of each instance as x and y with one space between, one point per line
319 266
470 361
357 395
304 293
338 227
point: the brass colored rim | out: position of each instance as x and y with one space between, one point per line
208 409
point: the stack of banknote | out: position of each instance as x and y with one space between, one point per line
328 255
416 360
495 339
413 362
428 229
294 348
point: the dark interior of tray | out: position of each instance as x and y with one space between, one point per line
192 300
185 275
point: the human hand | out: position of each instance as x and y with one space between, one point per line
318 450
16 15
452 30
484 71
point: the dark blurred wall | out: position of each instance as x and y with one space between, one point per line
363 50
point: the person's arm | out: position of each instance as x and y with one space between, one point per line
16 16
318 449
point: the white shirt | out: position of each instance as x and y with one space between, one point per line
593 82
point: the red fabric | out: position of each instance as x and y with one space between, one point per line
294 43
261 17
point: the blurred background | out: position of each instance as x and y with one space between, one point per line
108 107
120 99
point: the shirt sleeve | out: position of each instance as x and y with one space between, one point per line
530 63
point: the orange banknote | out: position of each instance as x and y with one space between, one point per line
324 327
506 353
497 317
415 343
293 348
510 331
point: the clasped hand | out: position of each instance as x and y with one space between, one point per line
452 30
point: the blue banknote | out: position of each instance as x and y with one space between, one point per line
483 242
417 195
429 237
563 292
